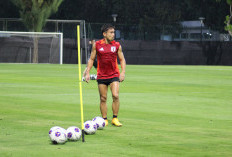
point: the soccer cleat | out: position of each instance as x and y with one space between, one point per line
106 122
116 122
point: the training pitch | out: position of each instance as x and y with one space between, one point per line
165 111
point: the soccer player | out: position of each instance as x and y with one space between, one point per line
108 74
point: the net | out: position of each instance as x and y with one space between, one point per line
31 47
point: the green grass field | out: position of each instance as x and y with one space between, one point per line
165 111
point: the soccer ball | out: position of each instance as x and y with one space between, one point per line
58 135
55 128
90 127
100 122
73 133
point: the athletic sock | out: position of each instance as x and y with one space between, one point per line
114 116
105 118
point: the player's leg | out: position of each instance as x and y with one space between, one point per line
114 87
103 98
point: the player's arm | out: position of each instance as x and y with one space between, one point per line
90 63
123 64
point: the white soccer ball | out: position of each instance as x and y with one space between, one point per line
100 122
58 136
73 133
90 127
53 129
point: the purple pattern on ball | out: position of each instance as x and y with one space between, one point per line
57 134
69 135
50 131
76 130
103 124
87 126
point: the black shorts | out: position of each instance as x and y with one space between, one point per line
107 81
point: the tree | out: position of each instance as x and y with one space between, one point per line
228 26
34 14
228 20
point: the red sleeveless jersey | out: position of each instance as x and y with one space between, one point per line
107 65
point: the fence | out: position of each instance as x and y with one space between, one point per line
154 44
175 32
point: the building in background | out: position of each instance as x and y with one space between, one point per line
198 31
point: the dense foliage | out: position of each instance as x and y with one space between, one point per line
148 12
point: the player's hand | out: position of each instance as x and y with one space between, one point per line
122 77
87 77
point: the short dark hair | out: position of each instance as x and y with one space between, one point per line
106 27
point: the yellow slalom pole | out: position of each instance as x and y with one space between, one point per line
80 82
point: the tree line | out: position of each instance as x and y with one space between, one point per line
147 12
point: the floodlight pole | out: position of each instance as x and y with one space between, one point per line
201 20
114 17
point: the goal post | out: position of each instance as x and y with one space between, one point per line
24 47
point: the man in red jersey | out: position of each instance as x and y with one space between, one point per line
108 74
